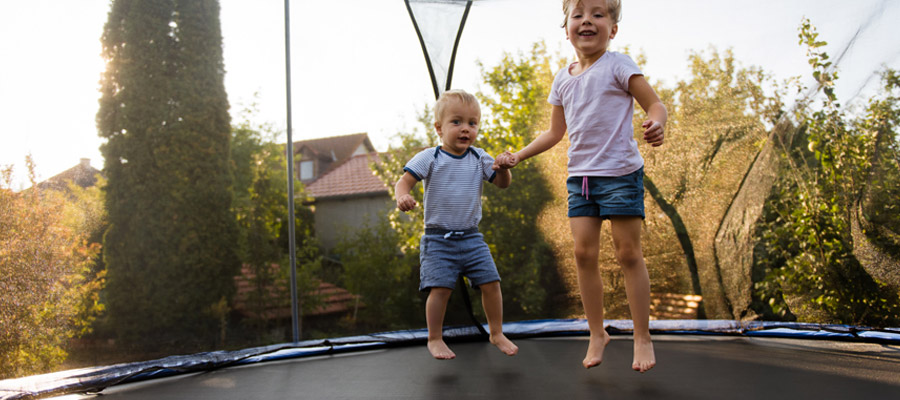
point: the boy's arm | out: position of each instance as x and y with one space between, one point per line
655 125
405 201
540 144
503 178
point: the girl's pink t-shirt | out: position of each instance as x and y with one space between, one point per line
598 110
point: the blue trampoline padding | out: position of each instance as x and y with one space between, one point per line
95 379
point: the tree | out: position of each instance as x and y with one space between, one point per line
170 247
514 111
875 214
381 261
386 280
813 239
260 208
717 119
50 290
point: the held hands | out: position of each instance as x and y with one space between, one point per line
506 160
406 203
653 132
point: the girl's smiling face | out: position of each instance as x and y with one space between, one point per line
590 28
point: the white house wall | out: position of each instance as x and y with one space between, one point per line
337 218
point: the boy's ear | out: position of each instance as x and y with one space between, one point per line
613 31
437 127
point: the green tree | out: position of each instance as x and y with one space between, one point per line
514 112
260 208
380 262
50 287
386 279
875 216
170 247
814 273
718 117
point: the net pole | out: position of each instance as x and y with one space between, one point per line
462 24
295 310
412 16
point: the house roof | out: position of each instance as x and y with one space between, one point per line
341 146
353 177
334 300
83 175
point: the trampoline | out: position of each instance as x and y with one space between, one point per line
696 359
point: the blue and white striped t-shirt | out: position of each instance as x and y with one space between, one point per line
452 185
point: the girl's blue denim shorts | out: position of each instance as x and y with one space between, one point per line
443 259
606 196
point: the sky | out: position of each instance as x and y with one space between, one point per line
357 66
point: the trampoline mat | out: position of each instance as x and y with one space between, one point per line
689 367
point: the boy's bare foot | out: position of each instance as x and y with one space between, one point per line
644 358
594 354
439 350
505 345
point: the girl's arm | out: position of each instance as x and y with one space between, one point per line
655 125
542 143
405 201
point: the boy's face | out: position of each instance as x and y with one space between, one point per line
589 27
458 128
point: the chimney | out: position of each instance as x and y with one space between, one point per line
85 163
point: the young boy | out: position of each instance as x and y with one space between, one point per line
453 173
593 99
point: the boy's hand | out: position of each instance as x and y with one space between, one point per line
653 132
406 203
506 160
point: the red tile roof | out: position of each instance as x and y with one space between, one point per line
333 299
353 177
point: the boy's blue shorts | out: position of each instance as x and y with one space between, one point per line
444 259
606 196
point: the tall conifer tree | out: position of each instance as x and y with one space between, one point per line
170 247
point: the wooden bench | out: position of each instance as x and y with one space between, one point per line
674 306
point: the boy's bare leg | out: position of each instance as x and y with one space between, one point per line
435 307
492 299
626 234
586 232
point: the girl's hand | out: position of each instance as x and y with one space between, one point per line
506 160
406 203
653 132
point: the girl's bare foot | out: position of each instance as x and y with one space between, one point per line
505 345
439 350
594 354
644 358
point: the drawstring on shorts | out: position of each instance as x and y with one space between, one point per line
585 191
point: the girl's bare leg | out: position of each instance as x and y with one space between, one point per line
492 299
626 232
586 233
435 307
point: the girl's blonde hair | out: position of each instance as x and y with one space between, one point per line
613 8
458 95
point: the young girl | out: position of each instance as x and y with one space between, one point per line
593 98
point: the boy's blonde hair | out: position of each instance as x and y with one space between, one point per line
613 8
457 95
